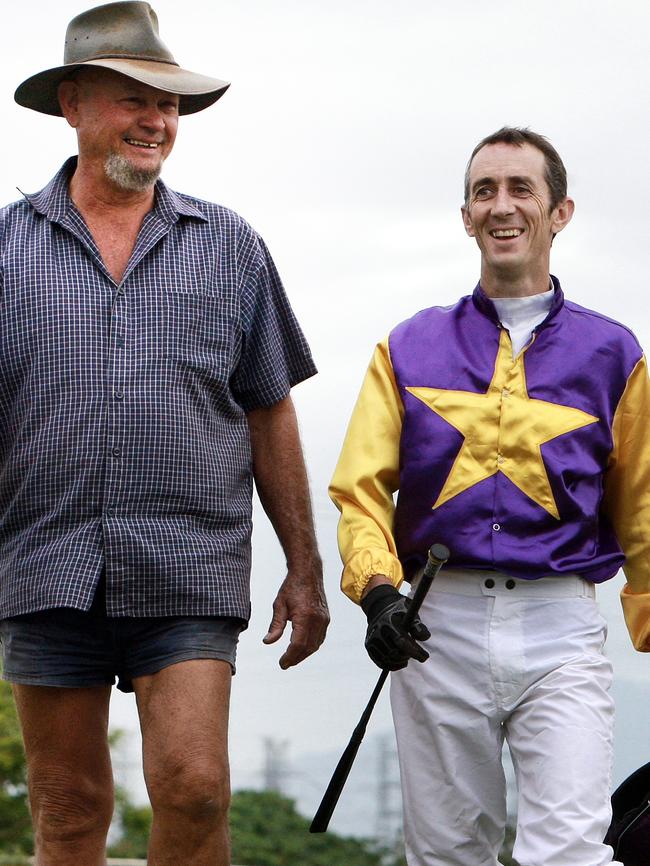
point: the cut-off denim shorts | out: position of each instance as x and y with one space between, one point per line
71 648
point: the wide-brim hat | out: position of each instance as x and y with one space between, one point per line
122 37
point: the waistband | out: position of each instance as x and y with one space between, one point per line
470 582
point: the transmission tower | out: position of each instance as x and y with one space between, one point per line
276 764
389 794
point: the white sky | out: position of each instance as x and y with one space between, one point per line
343 140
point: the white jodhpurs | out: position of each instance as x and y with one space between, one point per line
520 660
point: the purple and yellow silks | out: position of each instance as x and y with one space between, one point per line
533 466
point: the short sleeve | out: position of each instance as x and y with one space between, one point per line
275 355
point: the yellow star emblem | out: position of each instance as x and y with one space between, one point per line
503 430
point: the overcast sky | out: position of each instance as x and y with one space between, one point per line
343 140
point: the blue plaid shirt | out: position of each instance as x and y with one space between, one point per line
123 433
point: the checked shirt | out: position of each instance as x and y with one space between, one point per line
123 436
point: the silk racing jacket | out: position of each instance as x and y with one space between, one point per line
532 466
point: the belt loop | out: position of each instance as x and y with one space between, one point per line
587 589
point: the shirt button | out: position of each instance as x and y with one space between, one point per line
501 459
121 290
505 392
496 527
119 395
116 452
110 512
511 584
489 583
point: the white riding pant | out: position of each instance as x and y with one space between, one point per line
521 660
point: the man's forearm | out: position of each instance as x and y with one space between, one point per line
281 482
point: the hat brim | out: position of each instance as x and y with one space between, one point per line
196 91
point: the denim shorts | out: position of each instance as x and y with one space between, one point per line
71 648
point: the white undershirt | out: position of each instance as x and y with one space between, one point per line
520 316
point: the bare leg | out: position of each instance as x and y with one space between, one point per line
184 718
69 771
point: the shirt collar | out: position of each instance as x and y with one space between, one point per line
515 311
485 306
54 201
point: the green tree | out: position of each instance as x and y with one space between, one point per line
134 824
15 822
266 830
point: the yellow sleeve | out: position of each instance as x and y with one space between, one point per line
627 500
366 476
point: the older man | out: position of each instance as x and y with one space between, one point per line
515 425
147 354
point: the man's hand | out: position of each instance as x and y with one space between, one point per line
303 602
388 644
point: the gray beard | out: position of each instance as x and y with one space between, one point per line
119 170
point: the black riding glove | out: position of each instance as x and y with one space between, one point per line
388 644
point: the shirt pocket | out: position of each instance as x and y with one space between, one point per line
200 329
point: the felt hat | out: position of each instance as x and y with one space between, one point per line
629 832
122 37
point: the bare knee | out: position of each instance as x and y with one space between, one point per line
68 806
198 789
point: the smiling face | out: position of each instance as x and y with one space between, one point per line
509 214
125 129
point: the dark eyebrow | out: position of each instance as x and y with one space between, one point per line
482 181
